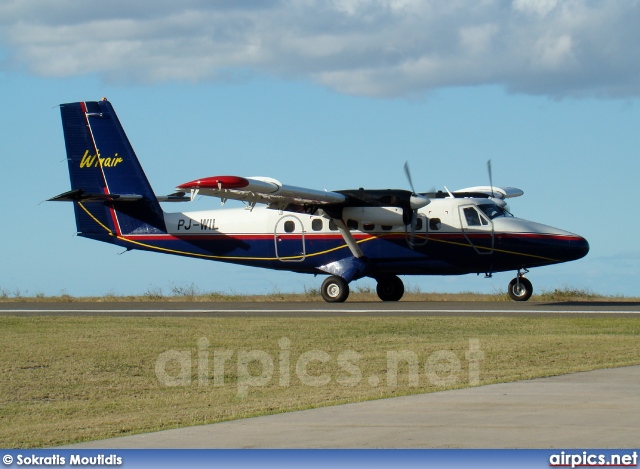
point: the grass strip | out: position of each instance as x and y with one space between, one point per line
70 379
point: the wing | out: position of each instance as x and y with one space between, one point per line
263 190
498 192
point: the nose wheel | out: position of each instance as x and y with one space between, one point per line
520 289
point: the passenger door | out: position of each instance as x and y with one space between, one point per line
289 239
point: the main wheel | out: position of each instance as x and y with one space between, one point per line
334 289
520 290
390 288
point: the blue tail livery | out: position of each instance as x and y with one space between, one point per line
110 191
344 234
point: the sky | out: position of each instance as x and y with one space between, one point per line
326 95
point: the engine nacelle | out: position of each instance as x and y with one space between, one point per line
391 216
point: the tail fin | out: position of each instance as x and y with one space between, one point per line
110 191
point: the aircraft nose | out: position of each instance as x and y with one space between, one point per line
577 247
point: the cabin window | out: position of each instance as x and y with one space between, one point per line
386 227
333 226
419 224
435 224
316 224
289 226
368 226
352 224
473 217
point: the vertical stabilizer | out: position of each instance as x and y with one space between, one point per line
110 191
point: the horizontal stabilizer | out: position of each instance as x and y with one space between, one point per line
175 197
78 195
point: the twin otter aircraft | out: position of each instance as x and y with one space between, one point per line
345 234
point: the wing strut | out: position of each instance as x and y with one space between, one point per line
348 238
349 268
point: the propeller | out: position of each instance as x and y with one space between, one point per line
416 202
499 201
490 178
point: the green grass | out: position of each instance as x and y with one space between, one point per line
69 379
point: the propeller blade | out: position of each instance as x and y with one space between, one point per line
416 202
408 173
414 221
493 195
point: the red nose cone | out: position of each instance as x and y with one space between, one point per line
216 182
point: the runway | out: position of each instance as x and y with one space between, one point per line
318 309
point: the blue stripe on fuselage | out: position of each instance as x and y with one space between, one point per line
443 254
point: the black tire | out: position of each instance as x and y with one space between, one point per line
520 290
334 289
390 288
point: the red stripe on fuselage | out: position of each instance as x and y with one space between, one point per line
356 236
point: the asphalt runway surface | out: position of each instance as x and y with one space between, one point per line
319 309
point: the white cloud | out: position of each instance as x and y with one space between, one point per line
477 39
539 8
553 53
365 47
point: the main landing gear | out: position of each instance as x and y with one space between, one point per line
520 289
390 288
335 289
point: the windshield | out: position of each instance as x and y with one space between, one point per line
494 211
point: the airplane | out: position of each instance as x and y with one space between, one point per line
344 234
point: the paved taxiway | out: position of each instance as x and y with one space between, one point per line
596 409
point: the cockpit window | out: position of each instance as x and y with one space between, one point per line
494 211
473 218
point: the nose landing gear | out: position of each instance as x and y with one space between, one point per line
520 289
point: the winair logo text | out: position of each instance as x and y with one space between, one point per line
94 161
